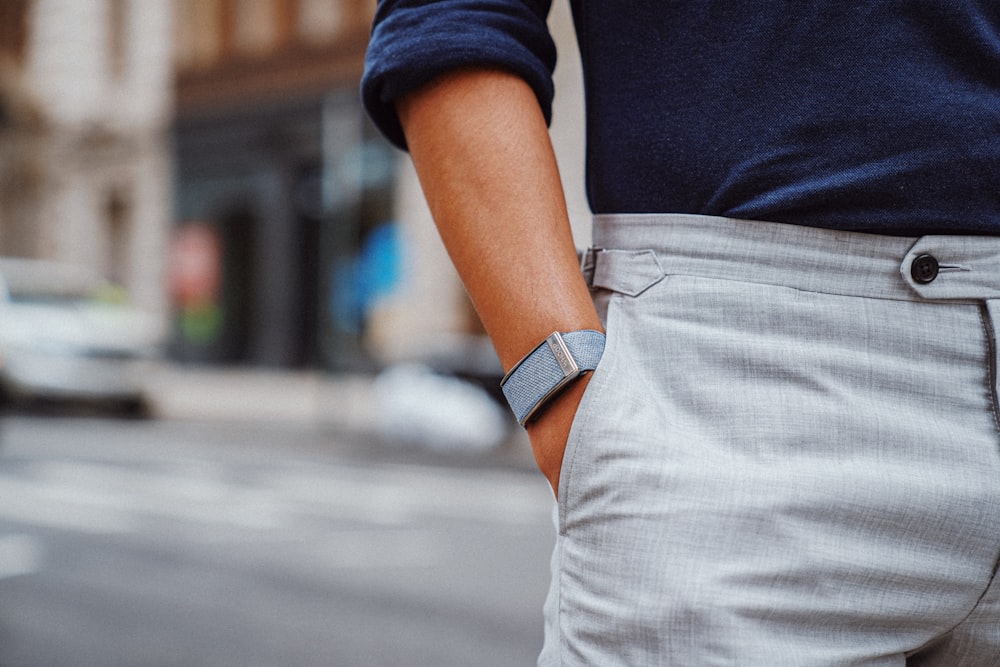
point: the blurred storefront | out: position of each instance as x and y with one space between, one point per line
85 108
211 156
273 155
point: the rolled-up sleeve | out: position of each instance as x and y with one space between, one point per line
414 41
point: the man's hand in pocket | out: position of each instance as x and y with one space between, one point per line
550 430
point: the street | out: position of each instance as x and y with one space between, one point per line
180 544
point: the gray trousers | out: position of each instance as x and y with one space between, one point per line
789 454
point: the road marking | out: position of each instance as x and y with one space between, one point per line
50 506
100 498
393 494
368 549
19 555
196 494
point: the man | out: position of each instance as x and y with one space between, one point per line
788 453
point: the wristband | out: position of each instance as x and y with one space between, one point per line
548 369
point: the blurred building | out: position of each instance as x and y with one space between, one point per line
327 255
275 161
85 108
213 157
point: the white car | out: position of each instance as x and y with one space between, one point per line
68 335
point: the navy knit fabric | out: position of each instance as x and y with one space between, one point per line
877 115
414 40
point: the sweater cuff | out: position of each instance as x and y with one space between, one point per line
414 42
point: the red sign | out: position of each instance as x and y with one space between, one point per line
195 264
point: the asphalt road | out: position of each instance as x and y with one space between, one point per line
173 544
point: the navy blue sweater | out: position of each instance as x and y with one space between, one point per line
876 115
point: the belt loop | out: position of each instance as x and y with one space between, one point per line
588 261
630 272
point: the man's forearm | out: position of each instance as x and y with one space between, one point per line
485 161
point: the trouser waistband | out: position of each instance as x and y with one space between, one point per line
632 252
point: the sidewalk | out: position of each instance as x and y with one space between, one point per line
320 400
243 394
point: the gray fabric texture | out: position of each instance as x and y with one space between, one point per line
788 455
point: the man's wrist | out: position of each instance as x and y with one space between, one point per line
549 368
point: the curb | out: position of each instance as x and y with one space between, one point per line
205 393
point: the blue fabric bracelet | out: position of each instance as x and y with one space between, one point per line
546 370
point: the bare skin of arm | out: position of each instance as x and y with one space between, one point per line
485 161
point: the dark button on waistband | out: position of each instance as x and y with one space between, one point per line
924 269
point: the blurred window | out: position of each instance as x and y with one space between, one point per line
199 37
255 27
117 216
36 281
117 38
13 28
320 20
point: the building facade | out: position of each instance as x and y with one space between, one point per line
212 156
90 85
274 158
328 254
